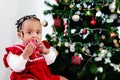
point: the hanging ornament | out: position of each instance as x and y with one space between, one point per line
66 51
75 17
103 37
115 41
84 31
73 31
65 26
88 13
98 14
112 35
112 6
54 39
71 6
86 51
59 44
101 44
66 44
44 23
109 20
76 59
72 47
113 16
118 11
57 22
93 22
84 5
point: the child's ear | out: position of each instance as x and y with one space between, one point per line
19 34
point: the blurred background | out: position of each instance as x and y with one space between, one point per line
10 12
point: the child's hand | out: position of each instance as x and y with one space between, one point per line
44 47
30 47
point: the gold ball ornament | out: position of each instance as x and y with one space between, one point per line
119 41
54 39
118 11
71 6
44 23
97 8
59 44
103 37
100 49
66 44
115 41
101 44
83 49
116 45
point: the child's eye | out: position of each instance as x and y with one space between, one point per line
38 32
29 33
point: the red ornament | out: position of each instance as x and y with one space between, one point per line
33 41
93 22
46 44
112 35
57 22
76 59
84 31
35 44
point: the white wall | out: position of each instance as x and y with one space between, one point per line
11 10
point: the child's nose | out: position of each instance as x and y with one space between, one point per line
34 35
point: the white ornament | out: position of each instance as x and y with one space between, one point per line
73 31
66 51
109 20
100 69
72 47
112 7
107 60
113 16
75 17
99 13
98 59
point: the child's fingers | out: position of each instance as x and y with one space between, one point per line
31 46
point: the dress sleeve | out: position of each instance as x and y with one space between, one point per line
16 63
51 56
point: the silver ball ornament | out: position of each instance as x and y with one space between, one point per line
44 23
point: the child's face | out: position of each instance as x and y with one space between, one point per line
31 28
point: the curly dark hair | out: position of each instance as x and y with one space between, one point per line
24 18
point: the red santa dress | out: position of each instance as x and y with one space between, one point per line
35 68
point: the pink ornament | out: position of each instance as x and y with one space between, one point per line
93 22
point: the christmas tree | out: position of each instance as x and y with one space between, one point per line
86 36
